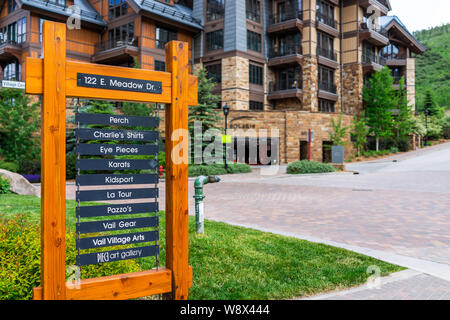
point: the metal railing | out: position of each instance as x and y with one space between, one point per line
371 58
215 12
169 11
285 50
327 53
327 86
329 21
394 56
285 16
15 42
283 85
363 26
68 10
111 44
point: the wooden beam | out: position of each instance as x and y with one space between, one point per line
177 240
121 286
53 162
34 83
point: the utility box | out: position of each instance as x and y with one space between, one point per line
338 154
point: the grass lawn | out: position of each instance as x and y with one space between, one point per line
237 263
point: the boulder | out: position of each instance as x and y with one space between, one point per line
19 184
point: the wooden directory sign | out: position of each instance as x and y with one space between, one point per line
55 79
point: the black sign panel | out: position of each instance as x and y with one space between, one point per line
116 164
122 194
116 209
118 83
111 134
115 179
117 224
117 120
116 149
116 240
116 255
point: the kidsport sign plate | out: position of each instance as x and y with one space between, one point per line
118 83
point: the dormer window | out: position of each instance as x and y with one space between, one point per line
12 6
117 8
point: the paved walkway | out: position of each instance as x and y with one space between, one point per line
395 211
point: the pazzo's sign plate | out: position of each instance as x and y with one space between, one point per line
118 83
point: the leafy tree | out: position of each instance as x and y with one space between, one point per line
380 98
206 111
339 132
431 105
19 123
359 133
403 123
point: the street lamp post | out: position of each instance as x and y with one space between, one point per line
427 112
226 110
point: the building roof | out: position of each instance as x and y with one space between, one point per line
177 12
389 22
88 13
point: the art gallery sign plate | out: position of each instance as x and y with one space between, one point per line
118 83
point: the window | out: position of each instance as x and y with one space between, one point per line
12 6
325 46
253 10
121 35
325 13
253 41
117 8
160 65
214 40
215 10
390 51
22 30
256 105
326 79
163 36
326 105
12 71
256 74
289 78
215 72
368 53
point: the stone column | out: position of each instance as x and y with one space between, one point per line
235 82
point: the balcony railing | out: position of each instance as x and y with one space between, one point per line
215 12
329 21
253 15
327 53
365 27
327 86
285 50
370 58
111 44
15 42
285 16
283 85
394 56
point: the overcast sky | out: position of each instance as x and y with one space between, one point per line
420 14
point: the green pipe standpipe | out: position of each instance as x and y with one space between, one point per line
199 196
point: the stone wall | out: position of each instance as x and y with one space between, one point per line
353 86
235 83
411 82
310 71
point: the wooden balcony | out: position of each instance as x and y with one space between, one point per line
115 51
285 21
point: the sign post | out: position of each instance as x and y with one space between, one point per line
55 79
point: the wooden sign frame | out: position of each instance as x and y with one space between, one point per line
54 78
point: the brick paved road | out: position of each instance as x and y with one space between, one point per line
396 211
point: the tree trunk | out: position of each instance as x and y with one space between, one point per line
377 143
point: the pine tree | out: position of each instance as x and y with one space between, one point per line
431 105
380 99
206 111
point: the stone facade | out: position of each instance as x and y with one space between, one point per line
353 88
310 83
235 83
411 82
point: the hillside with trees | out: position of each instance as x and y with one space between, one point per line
433 67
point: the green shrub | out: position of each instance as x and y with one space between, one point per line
30 166
445 122
162 159
305 166
402 143
218 169
71 160
10 166
394 150
4 186
20 259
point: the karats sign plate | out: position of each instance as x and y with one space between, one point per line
118 83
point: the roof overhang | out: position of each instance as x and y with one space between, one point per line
394 27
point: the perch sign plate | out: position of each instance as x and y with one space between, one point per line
118 83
